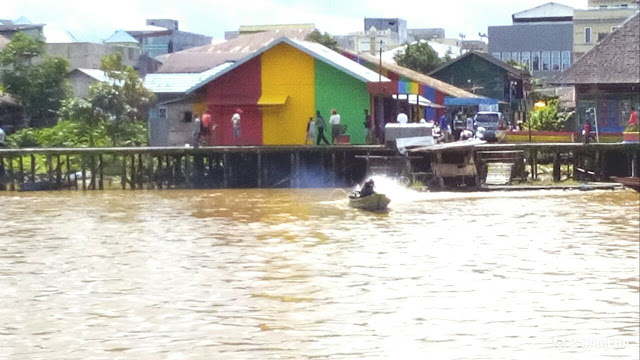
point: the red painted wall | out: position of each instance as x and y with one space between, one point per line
239 88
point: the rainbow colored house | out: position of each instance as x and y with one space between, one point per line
278 88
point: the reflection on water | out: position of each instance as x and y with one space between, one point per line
261 274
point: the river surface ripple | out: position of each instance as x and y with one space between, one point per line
259 274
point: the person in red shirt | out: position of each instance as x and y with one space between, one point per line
586 131
633 117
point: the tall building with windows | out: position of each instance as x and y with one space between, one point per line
600 19
540 38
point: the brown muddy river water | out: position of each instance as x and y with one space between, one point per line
288 274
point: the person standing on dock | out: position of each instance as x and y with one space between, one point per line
235 121
197 127
311 130
367 127
586 131
336 129
320 125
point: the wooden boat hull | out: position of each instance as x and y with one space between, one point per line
375 202
630 182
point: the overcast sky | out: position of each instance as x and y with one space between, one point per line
90 20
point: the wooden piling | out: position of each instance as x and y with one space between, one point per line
101 170
58 171
140 174
93 172
84 173
33 168
133 175
123 176
259 169
557 174
225 170
20 170
12 185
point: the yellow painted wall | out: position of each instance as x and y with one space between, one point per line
287 71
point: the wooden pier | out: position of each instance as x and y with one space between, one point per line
286 166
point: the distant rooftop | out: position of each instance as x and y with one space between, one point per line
121 37
260 28
547 12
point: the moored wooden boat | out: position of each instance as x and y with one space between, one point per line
375 202
630 182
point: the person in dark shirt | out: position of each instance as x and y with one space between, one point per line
367 189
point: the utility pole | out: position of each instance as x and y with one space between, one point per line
380 69
462 37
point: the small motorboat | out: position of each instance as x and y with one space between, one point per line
630 182
375 202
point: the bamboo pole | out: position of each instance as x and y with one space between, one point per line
123 176
133 175
58 171
84 173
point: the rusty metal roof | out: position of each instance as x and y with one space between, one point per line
202 58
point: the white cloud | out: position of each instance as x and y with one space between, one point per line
95 21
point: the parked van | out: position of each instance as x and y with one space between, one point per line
487 124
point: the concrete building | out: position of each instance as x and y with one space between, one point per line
88 55
592 25
162 36
541 38
10 27
398 27
81 79
428 34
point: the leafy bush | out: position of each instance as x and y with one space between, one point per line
546 118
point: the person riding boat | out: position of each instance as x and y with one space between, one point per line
367 189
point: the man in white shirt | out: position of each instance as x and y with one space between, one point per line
336 128
402 118
235 121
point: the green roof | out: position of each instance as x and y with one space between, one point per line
121 37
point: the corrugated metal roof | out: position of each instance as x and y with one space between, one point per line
122 37
179 82
98 75
315 50
202 58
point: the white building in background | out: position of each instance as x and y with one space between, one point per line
442 50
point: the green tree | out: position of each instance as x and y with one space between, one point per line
546 118
115 111
419 57
518 65
324 39
35 80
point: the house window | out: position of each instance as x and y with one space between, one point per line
624 6
497 55
587 35
555 60
603 7
566 59
515 56
506 56
535 63
526 59
159 113
188 116
546 60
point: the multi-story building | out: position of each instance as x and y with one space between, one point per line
398 27
162 36
540 38
428 34
592 25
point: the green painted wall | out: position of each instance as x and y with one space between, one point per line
335 89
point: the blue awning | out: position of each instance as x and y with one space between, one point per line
451 101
